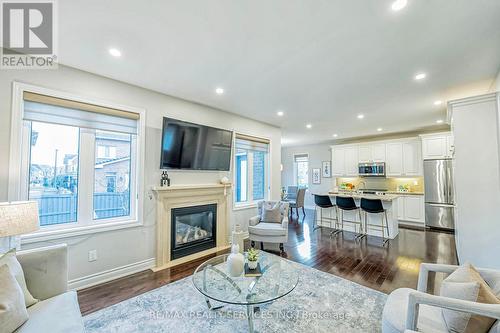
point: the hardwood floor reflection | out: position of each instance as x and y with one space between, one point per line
368 263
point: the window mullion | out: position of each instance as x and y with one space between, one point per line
250 176
267 185
86 177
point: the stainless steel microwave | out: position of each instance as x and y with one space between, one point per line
376 169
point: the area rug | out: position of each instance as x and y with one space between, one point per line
321 302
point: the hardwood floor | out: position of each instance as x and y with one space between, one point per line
368 263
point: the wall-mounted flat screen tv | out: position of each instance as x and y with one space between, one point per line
195 147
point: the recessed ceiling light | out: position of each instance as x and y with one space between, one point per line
439 121
438 102
115 52
379 129
219 91
420 76
280 113
398 5
309 126
361 116
335 135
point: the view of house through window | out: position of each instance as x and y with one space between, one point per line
80 163
251 169
301 168
112 175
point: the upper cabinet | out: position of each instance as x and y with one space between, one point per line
351 161
365 154
345 160
378 152
371 153
437 146
338 161
403 157
394 159
412 160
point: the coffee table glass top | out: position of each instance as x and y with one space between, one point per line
278 279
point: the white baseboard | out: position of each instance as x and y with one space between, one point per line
110 274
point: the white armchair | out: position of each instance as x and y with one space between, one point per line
408 310
269 232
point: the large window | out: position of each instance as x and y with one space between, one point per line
251 169
301 169
80 162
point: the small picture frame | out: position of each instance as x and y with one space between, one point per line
316 176
326 168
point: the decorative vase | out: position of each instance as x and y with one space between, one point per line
252 264
235 261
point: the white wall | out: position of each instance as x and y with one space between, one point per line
129 246
317 154
477 182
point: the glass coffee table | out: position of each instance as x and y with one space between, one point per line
278 279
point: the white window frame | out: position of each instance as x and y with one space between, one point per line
250 203
296 171
19 168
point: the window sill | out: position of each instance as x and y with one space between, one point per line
244 206
41 236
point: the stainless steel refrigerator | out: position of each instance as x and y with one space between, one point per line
439 194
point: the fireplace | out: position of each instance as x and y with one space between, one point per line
193 229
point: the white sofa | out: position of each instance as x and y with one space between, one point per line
408 310
46 273
269 232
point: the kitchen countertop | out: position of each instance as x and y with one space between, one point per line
356 195
405 193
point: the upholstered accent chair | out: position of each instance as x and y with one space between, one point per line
408 310
46 273
270 232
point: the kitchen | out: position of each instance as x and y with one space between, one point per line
412 176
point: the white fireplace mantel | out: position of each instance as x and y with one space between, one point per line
177 196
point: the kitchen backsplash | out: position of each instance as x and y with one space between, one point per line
415 184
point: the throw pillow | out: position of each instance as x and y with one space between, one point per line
271 214
475 324
467 291
13 311
10 260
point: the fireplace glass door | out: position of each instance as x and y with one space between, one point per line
193 229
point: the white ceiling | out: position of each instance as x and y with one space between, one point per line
320 61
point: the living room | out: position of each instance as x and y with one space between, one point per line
150 159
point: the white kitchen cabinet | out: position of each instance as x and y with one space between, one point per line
365 154
411 158
394 159
401 207
372 153
351 161
338 161
378 152
403 158
437 146
411 208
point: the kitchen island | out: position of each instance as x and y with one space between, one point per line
389 201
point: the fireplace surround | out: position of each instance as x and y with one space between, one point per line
185 198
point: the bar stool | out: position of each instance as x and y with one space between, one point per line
324 202
347 203
374 206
